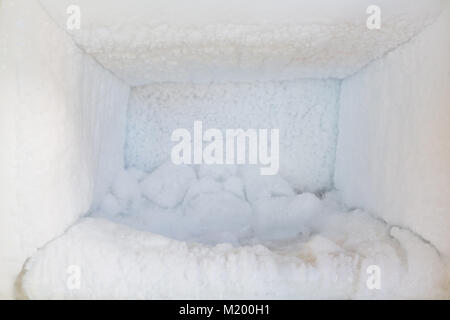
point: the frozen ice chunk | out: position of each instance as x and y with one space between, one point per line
203 185
350 228
167 185
214 209
270 219
304 206
282 216
258 186
319 244
235 185
125 188
110 205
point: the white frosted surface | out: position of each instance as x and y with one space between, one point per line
393 149
277 245
64 123
62 132
173 40
116 262
305 112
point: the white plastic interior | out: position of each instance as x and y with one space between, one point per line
365 115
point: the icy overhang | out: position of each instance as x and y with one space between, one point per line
143 41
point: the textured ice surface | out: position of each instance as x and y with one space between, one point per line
61 139
214 40
278 246
62 133
393 150
167 185
305 112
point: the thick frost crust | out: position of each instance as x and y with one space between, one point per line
304 111
144 41
238 237
399 106
114 261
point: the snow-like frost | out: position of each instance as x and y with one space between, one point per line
213 243
207 41
304 111
167 185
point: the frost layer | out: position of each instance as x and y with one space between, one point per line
213 40
305 112
393 151
62 130
231 236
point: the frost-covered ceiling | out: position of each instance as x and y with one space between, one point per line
214 40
